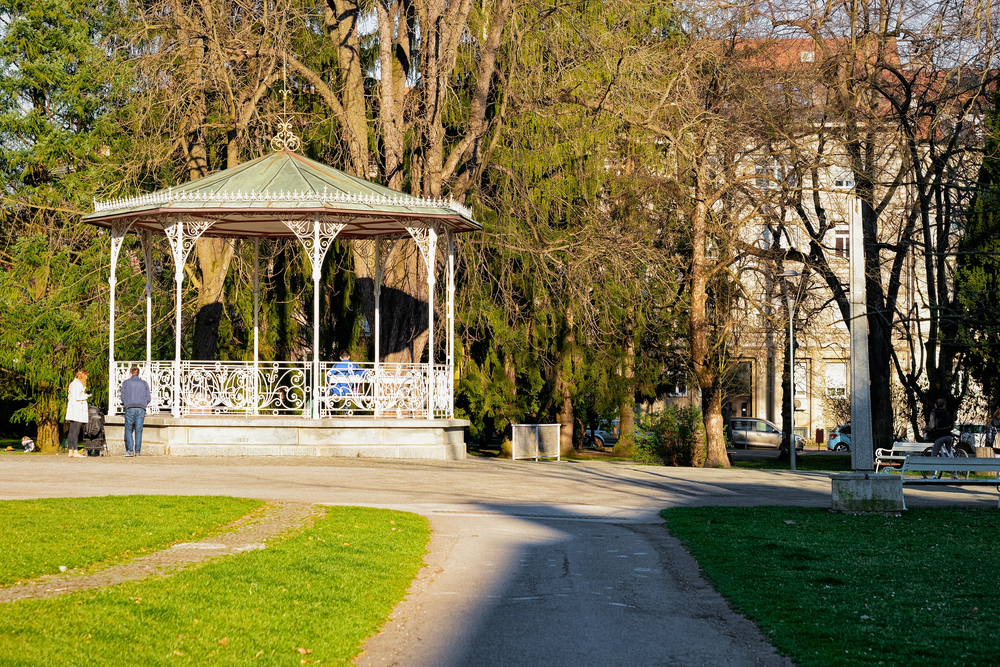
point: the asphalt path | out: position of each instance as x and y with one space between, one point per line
530 563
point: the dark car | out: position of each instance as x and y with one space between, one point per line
757 433
599 438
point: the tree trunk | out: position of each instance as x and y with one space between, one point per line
48 436
214 255
403 301
566 420
880 373
626 409
342 24
787 407
698 328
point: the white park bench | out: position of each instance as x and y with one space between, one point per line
892 458
943 464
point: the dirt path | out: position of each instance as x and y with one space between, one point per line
247 534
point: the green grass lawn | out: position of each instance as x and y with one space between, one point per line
841 589
311 599
811 463
39 536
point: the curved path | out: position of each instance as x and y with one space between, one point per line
250 532
529 563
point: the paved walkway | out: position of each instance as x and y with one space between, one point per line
529 564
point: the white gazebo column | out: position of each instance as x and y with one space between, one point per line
431 280
316 237
426 240
378 325
256 325
317 269
147 249
118 230
181 237
451 323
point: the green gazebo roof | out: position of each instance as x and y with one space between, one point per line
255 198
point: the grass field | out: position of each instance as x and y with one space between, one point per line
311 599
839 589
39 536
813 463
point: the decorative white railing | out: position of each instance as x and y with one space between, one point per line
232 387
396 391
160 377
443 379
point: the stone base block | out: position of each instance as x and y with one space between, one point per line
216 435
867 492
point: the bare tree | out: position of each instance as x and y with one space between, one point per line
898 91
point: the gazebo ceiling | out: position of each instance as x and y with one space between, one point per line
254 198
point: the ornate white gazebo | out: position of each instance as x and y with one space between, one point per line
285 195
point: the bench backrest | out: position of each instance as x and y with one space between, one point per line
920 463
911 446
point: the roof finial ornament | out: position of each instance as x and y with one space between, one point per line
285 138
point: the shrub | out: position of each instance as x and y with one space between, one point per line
671 436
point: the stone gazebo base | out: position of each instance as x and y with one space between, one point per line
293 436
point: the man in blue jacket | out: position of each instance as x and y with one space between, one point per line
135 398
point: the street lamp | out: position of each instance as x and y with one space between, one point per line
786 274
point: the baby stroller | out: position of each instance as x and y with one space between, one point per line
93 432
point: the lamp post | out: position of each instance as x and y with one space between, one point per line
786 274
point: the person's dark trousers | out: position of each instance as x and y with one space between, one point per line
73 437
133 420
945 441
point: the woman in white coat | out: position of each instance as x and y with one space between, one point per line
76 411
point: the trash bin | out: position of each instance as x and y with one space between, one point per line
819 437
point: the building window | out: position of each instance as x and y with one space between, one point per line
801 379
844 180
836 379
769 173
842 242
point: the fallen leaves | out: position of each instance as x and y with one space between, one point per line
224 641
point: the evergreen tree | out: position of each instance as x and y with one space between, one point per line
977 276
55 145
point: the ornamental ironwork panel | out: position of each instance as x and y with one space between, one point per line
402 390
233 387
346 389
158 374
443 403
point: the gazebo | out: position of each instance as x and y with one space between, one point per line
257 407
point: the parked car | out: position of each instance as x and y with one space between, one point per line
599 438
753 432
971 435
839 439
